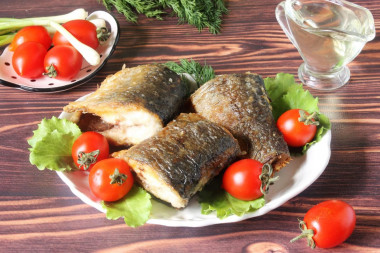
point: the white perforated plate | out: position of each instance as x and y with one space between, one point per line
10 78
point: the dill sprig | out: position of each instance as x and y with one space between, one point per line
199 13
131 8
201 74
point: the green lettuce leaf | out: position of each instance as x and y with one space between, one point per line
51 144
324 126
286 94
46 126
279 86
135 207
214 199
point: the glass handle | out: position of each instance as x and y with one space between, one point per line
283 21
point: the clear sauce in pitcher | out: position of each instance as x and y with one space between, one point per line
327 34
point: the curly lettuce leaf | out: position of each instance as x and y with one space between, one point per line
279 86
51 144
135 207
214 199
53 152
324 126
47 126
286 94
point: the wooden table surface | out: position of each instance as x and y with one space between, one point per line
39 213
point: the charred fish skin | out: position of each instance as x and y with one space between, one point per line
132 104
156 88
177 162
239 102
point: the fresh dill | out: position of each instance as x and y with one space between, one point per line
199 13
201 74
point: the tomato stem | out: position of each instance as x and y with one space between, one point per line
117 177
308 119
306 233
51 71
86 159
266 178
6 39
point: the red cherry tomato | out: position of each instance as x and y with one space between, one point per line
28 59
63 62
31 33
111 179
241 179
328 224
295 132
83 30
89 148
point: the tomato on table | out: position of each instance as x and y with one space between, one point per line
111 179
247 180
83 30
63 62
28 59
89 148
297 126
328 224
31 33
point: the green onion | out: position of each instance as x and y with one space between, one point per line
76 14
7 38
88 53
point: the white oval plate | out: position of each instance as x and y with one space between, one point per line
9 77
294 178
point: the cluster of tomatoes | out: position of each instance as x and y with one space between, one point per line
35 56
325 225
110 179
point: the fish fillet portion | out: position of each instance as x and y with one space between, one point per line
177 162
131 105
239 103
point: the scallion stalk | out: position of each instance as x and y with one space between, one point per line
88 53
7 38
16 23
75 14
98 22
8 31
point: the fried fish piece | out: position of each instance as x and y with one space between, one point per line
131 105
177 162
239 102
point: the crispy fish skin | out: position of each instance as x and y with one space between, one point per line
177 162
131 105
239 102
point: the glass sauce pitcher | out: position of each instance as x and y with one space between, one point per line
328 34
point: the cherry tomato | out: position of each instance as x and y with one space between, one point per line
328 224
111 179
246 180
83 30
63 62
28 59
297 133
89 148
31 33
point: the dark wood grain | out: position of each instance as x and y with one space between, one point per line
39 213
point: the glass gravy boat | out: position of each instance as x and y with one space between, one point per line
328 34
